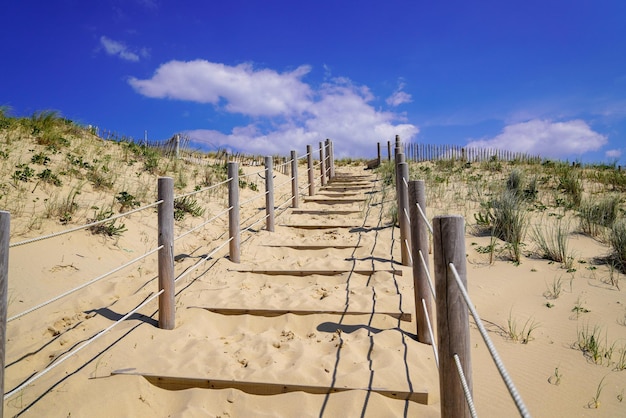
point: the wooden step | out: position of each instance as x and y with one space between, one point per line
311 272
273 312
333 201
312 246
324 212
264 388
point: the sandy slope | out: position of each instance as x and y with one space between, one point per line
364 350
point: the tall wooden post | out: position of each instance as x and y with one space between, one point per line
403 207
234 232
309 170
323 164
327 153
452 314
331 147
177 146
269 194
166 254
388 150
5 233
419 243
294 180
379 159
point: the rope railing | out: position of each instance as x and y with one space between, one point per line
430 332
426 270
448 246
466 390
204 189
80 348
167 282
255 173
197 227
86 226
492 350
82 286
202 260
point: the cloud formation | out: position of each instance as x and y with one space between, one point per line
546 138
112 47
399 96
288 113
613 153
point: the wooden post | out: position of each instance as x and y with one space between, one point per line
452 314
311 174
403 209
294 180
5 233
323 164
419 242
388 150
327 153
331 147
269 194
165 217
379 159
177 146
234 232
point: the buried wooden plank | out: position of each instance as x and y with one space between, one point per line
264 388
274 272
324 226
402 316
345 188
324 212
313 246
330 200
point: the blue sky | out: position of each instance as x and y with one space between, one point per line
546 77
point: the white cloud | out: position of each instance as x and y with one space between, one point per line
297 114
546 138
244 89
399 97
613 153
118 48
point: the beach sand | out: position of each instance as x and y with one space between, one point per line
368 350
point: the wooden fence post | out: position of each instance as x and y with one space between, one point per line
165 217
234 232
327 153
419 243
331 147
269 194
403 208
452 314
5 233
294 180
388 150
309 170
379 159
323 163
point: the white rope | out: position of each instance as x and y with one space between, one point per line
466 391
494 354
254 198
69 292
85 344
252 174
304 156
283 164
408 218
430 280
430 331
78 228
202 190
285 202
408 250
430 227
195 228
282 184
202 260
250 227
